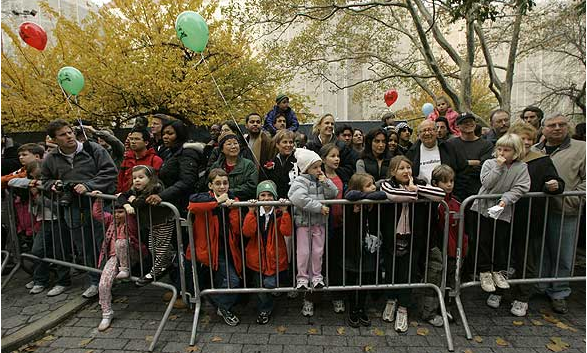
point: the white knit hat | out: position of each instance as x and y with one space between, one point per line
305 158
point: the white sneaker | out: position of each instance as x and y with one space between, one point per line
487 282
436 321
91 292
55 291
493 301
106 320
30 285
123 273
37 289
302 284
338 306
389 311
308 308
401 319
500 280
519 308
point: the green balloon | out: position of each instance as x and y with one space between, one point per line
192 30
71 80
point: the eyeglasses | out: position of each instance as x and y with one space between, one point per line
428 131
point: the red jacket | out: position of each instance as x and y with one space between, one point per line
130 160
454 207
268 249
451 116
205 207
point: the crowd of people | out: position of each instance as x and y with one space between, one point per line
268 160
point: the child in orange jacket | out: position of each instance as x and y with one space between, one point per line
266 253
223 238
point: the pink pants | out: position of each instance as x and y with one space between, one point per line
310 243
109 274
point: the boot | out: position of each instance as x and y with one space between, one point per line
123 273
106 320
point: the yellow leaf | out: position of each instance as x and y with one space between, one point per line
501 342
518 323
368 348
550 318
121 300
564 326
173 317
378 332
49 338
422 331
89 351
216 339
537 322
414 323
467 351
85 342
340 330
206 319
313 331
192 349
554 347
149 338
281 329
558 341
478 339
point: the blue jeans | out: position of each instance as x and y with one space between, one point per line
222 278
265 300
52 244
558 290
79 221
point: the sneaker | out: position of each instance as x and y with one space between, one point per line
487 283
91 292
123 273
308 308
519 308
436 321
500 279
143 281
55 291
37 289
338 306
560 306
302 284
353 319
364 318
263 317
292 294
389 311
106 320
229 318
401 320
318 284
493 301
30 285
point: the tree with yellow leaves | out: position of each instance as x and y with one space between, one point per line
135 65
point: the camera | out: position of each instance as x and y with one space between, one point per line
66 193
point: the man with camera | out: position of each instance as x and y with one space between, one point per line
71 170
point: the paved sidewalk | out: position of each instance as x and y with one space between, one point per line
138 312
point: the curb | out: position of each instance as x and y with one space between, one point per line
38 328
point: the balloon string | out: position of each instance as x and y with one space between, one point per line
78 118
231 115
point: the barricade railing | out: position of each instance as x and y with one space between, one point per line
383 213
543 228
69 232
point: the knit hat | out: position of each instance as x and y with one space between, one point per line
305 158
403 125
225 136
267 185
280 97
463 117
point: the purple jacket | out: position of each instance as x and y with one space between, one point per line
291 121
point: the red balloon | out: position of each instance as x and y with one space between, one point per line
390 97
33 35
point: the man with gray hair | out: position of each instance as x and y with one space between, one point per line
568 156
500 123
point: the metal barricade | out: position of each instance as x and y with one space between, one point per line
384 219
69 235
521 249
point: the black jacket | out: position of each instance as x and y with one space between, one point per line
448 156
279 174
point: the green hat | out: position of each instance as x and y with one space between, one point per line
280 97
267 185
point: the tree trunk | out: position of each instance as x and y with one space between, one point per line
466 93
